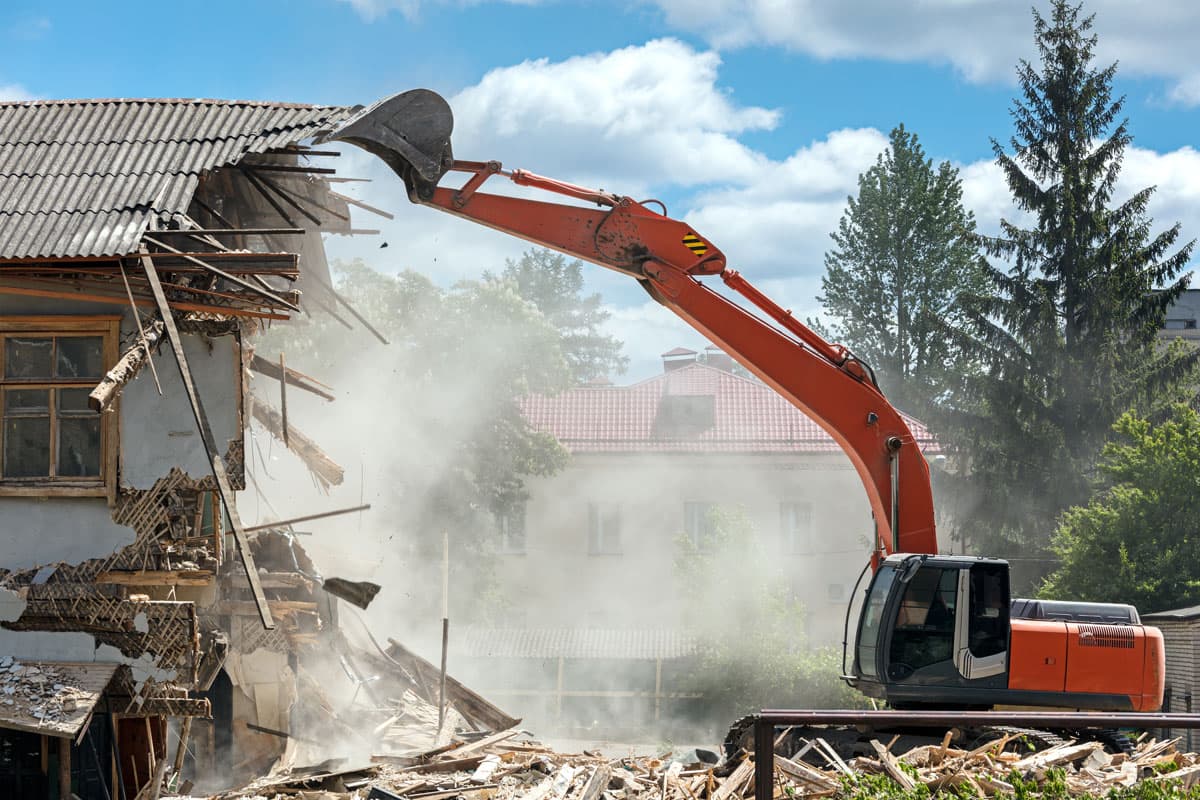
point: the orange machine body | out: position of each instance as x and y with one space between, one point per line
1075 659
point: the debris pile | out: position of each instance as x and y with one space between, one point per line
40 692
508 765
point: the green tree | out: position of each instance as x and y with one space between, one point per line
1135 542
1068 329
555 286
753 651
903 252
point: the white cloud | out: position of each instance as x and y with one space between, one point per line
981 38
620 120
639 116
13 91
371 10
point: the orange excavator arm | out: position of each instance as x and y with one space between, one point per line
411 132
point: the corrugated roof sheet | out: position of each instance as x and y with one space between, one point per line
748 417
83 177
612 643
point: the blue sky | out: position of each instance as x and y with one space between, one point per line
750 118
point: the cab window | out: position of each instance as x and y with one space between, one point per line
924 632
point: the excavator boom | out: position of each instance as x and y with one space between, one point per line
411 133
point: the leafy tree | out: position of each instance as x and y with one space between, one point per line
1067 331
555 285
440 401
903 252
753 653
1135 543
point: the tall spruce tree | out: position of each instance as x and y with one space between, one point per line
1068 329
903 252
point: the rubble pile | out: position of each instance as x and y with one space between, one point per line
510 766
40 692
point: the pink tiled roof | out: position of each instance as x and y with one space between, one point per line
748 417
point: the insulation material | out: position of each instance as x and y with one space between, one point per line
267 680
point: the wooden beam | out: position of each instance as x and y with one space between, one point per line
157 577
364 206
127 368
232 231
349 308
24 289
295 378
228 498
307 518
321 465
283 398
220 273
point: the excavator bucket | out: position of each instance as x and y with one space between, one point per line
410 131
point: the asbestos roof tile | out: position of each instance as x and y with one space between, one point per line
81 177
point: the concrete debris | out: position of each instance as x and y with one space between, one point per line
38 692
509 765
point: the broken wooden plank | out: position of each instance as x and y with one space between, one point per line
596 783
475 708
892 767
294 378
162 577
224 490
481 744
322 466
270 297
1060 754
805 774
283 523
736 782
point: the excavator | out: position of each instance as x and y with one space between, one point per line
934 631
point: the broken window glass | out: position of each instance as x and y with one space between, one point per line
27 357
80 357
78 435
27 447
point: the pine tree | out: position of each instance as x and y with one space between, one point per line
1068 330
904 251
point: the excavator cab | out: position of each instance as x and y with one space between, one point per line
942 632
934 621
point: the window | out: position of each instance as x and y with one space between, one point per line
924 632
510 530
795 528
699 524
51 442
604 529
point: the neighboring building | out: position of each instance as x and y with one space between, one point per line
1182 318
594 546
1181 640
123 596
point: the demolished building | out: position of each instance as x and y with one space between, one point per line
142 245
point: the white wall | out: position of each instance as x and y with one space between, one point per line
557 583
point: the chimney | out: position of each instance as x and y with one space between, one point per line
678 357
718 358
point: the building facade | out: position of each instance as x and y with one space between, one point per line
594 548
143 244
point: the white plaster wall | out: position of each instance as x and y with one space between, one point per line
557 583
156 433
40 530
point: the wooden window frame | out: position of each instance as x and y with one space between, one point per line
107 326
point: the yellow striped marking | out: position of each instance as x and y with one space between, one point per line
694 243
